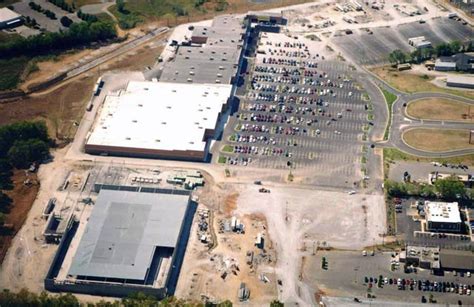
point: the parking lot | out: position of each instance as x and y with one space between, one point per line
420 171
299 110
373 47
349 274
44 22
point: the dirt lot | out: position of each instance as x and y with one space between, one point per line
411 82
440 109
23 197
301 221
26 264
208 269
446 140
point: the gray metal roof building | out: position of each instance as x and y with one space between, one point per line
124 231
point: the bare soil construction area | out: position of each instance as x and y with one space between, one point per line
302 221
23 196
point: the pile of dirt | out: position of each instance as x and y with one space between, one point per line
230 204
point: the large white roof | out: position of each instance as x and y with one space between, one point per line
160 116
6 15
442 212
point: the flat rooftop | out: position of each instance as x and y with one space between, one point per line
123 231
202 65
215 61
442 212
160 116
460 79
6 15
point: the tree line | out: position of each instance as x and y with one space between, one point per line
445 189
78 34
63 5
27 298
419 55
21 144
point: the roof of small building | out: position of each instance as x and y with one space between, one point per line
457 259
459 79
442 212
6 14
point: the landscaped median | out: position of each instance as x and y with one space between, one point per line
440 109
438 140
390 98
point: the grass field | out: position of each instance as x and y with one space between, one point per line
11 72
389 99
393 154
411 83
437 140
173 12
440 109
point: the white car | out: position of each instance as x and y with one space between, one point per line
351 192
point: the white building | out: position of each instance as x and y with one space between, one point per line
464 81
9 19
159 120
443 217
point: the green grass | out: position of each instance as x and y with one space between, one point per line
138 11
127 20
104 17
392 154
228 148
11 72
363 160
370 116
389 99
222 160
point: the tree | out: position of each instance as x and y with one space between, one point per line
450 188
444 49
2 218
23 153
5 201
455 47
276 303
120 6
397 57
66 21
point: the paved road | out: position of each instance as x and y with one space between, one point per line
401 122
